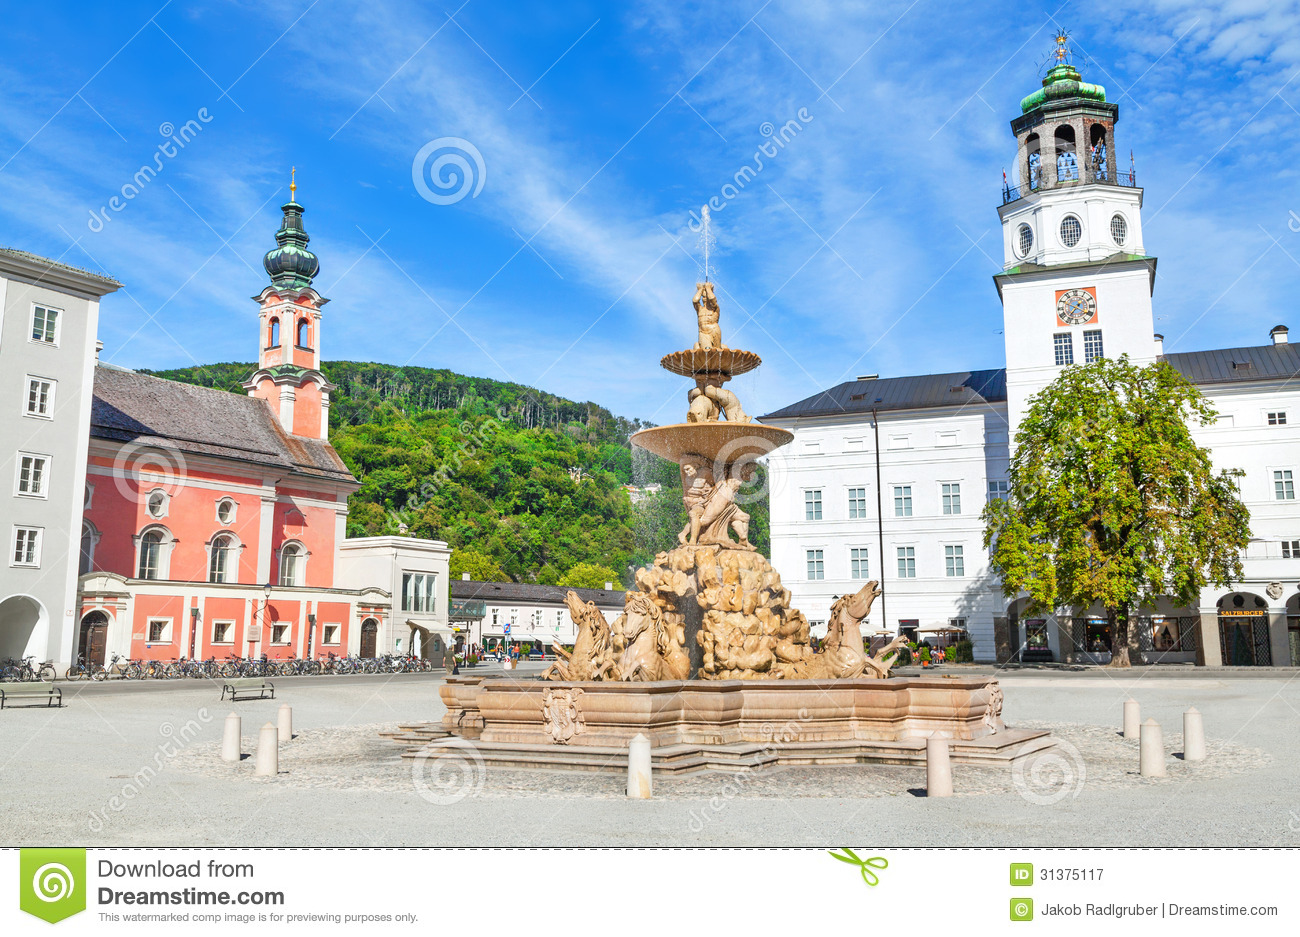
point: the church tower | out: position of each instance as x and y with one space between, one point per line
1077 281
288 372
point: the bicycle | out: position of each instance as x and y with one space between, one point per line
26 671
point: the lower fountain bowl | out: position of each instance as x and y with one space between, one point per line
722 443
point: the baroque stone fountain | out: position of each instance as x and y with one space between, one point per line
708 658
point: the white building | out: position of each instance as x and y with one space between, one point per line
414 572
49 313
926 452
525 612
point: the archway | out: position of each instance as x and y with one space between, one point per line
1243 630
93 639
1030 632
369 637
20 616
1293 628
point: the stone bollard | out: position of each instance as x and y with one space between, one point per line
286 722
268 751
1132 719
231 739
938 768
1193 736
639 782
1151 757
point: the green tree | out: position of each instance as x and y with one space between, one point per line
1111 501
480 568
589 576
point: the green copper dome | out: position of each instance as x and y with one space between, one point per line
1063 81
291 264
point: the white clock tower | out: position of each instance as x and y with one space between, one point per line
1077 281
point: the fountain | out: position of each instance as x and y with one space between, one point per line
708 659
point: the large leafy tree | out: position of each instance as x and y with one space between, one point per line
1111 501
589 576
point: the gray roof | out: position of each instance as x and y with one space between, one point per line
531 592
961 388
58 270
132 407
1235 365
1220 366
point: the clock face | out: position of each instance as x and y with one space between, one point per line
1075 307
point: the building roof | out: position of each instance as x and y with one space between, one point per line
531 592
139 408
1221 366
961 388
60 273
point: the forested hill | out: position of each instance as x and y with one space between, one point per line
522 483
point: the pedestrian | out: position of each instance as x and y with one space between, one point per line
449 659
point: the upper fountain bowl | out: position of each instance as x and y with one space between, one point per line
722 443
726 362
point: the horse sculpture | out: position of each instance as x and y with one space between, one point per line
592 655
844 655
649 652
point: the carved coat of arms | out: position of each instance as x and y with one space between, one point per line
560 714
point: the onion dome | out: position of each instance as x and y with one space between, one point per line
1062 81
291 264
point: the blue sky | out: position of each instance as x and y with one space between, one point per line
865 245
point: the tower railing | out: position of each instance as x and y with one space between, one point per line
1071 176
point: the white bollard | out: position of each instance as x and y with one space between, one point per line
231 739
1151 756
286 723
639 782
268 751
1193 736
938 768
1132 719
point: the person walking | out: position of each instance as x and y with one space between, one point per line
449 659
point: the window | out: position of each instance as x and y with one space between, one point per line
32 474
1063 344
857 503
45 325
330 634
812 447
89 537
418 592
997 491
222 560
273 340
954 563
1277 419
40 398
858 568
945 439
812 505
950 493
1118 230
225 511
1291 549
816 565
1283 486
559 618
160 630
304 333
496 617
900 442
1091 346
902 500
223 632
27 546
156 503
151 548
291 564
1026 234
1071 230
907 562
537 619
854 444
279 634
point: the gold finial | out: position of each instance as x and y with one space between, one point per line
293 182
1062 47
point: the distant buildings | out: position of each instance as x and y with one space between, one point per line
493 614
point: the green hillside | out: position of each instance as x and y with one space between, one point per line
529 480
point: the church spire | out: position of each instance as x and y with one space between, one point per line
291 264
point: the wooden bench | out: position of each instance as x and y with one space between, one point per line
248 685
52 694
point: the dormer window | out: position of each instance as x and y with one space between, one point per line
156 503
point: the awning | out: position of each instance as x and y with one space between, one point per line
432 628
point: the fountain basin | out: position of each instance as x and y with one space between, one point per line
722 443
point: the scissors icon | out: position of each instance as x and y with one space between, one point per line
875 862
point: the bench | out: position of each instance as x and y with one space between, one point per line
52 694
248 686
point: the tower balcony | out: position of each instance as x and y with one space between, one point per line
1067 176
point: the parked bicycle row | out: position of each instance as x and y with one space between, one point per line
122 668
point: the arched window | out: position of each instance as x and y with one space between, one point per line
1097 152
1067 162
221 565
274 340
293 560
304 333
89 537
1034 165
151 555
